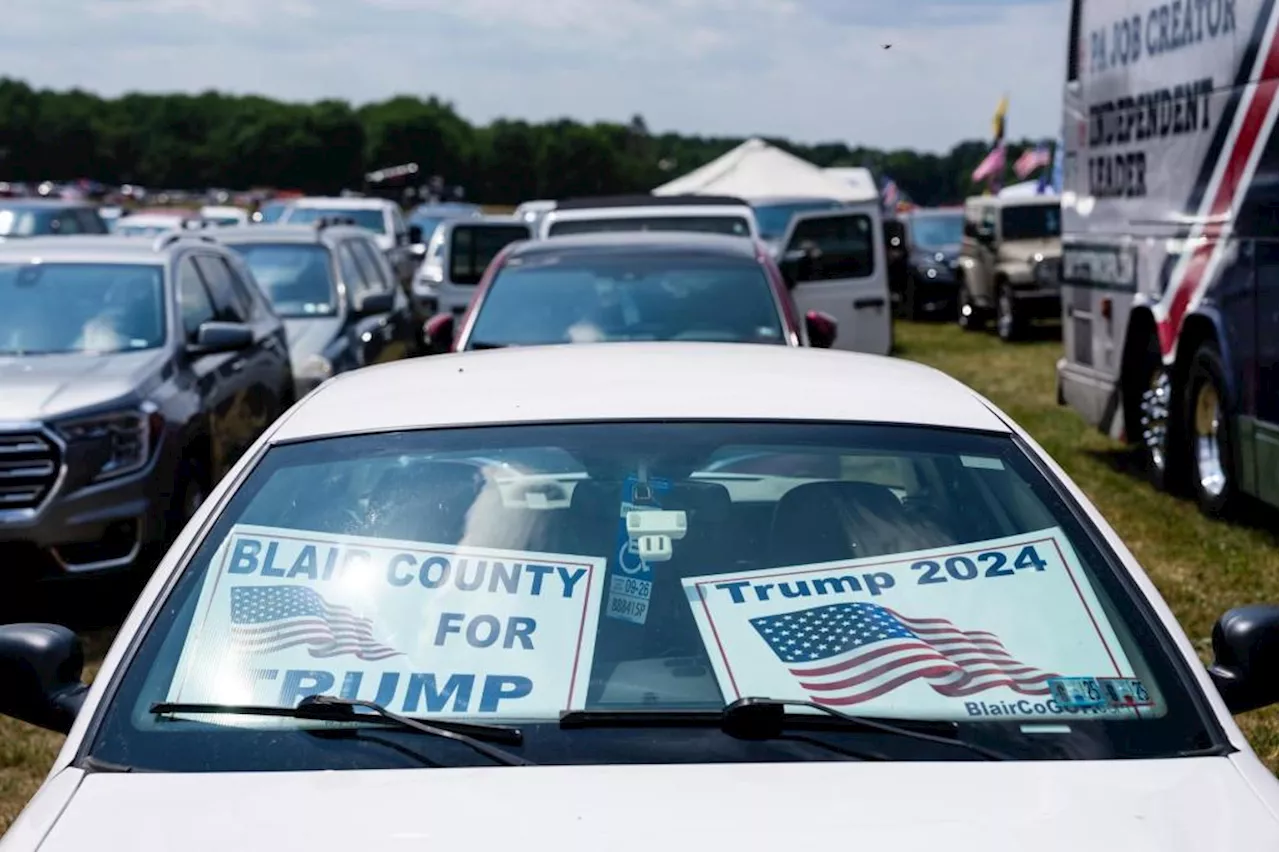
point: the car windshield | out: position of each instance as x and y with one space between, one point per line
774 219
48 308
589 298
937 231
732 225
297 278
272 212
1031 221
373 220
511 573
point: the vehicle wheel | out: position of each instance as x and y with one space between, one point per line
968 315
190 491
1010 322
1152 401
1208 432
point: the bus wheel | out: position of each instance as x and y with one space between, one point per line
1153 399
1208 431
968 315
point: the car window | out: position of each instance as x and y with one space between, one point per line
772 220
228 305
89 221
1031 221
351 270
297 278
373 220
473 248
511 573
839 246
731 225
936 231
397 223
989 219
371 263
64 222
563 298
193 299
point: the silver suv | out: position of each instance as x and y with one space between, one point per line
1010 260
133 373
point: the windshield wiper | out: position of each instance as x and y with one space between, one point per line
763 719
328 708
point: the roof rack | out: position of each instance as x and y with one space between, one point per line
648 201
165 240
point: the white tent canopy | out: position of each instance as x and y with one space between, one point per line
858 177
757 170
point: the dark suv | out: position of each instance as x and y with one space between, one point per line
133 374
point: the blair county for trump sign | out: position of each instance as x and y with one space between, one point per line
418 628
990 628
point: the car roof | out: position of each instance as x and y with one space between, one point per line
40 204
766 201
668 242
596 202
94 248
339 202
637 381
676 212
301 234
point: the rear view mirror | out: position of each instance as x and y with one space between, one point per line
821 329
213 337
40 670
438 332
374 303
1244 657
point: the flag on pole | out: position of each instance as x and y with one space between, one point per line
1032 159
1052 177
992 165
889 195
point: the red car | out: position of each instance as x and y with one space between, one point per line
627 287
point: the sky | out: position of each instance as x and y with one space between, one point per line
807 70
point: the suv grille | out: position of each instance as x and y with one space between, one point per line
28 469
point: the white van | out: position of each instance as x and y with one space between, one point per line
457 255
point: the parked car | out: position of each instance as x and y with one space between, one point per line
932 237
37 217
458 253
223 216
153 223
427 217
133 374
372 613
1010 262
627 287
341 304
693 213
395 237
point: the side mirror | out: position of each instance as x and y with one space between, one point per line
40 670
415 235
375 303
821 329
796 266
214 337
1244 657
438 334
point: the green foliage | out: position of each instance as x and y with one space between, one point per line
212 139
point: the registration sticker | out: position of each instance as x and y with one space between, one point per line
630 575
1124 692
1077 692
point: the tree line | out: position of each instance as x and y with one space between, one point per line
180 141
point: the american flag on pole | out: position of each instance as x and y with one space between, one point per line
265 619
991 166
853 652
1032 159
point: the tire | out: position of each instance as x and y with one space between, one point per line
1010 321
1150 416
968 315
1209 445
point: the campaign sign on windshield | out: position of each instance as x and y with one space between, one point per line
418 628
972 631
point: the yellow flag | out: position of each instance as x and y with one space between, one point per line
997 122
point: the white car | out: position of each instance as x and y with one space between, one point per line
394 236
224 216
727 216
560 601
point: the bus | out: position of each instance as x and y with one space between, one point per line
1169 275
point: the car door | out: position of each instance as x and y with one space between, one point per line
254 373
385 336
837 263
472 246
216 380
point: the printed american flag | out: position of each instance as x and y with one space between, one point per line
1032 159
853 652
265 619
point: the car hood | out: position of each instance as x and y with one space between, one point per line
310 336
1026 250
1199 804
34 387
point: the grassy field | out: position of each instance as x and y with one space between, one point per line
1202 568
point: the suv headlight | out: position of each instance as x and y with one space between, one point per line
315 368
127 437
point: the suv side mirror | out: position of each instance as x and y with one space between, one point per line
213 337
1244 657
796 266
40 670
438 334
374 303
821 328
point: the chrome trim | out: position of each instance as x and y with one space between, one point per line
17 516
